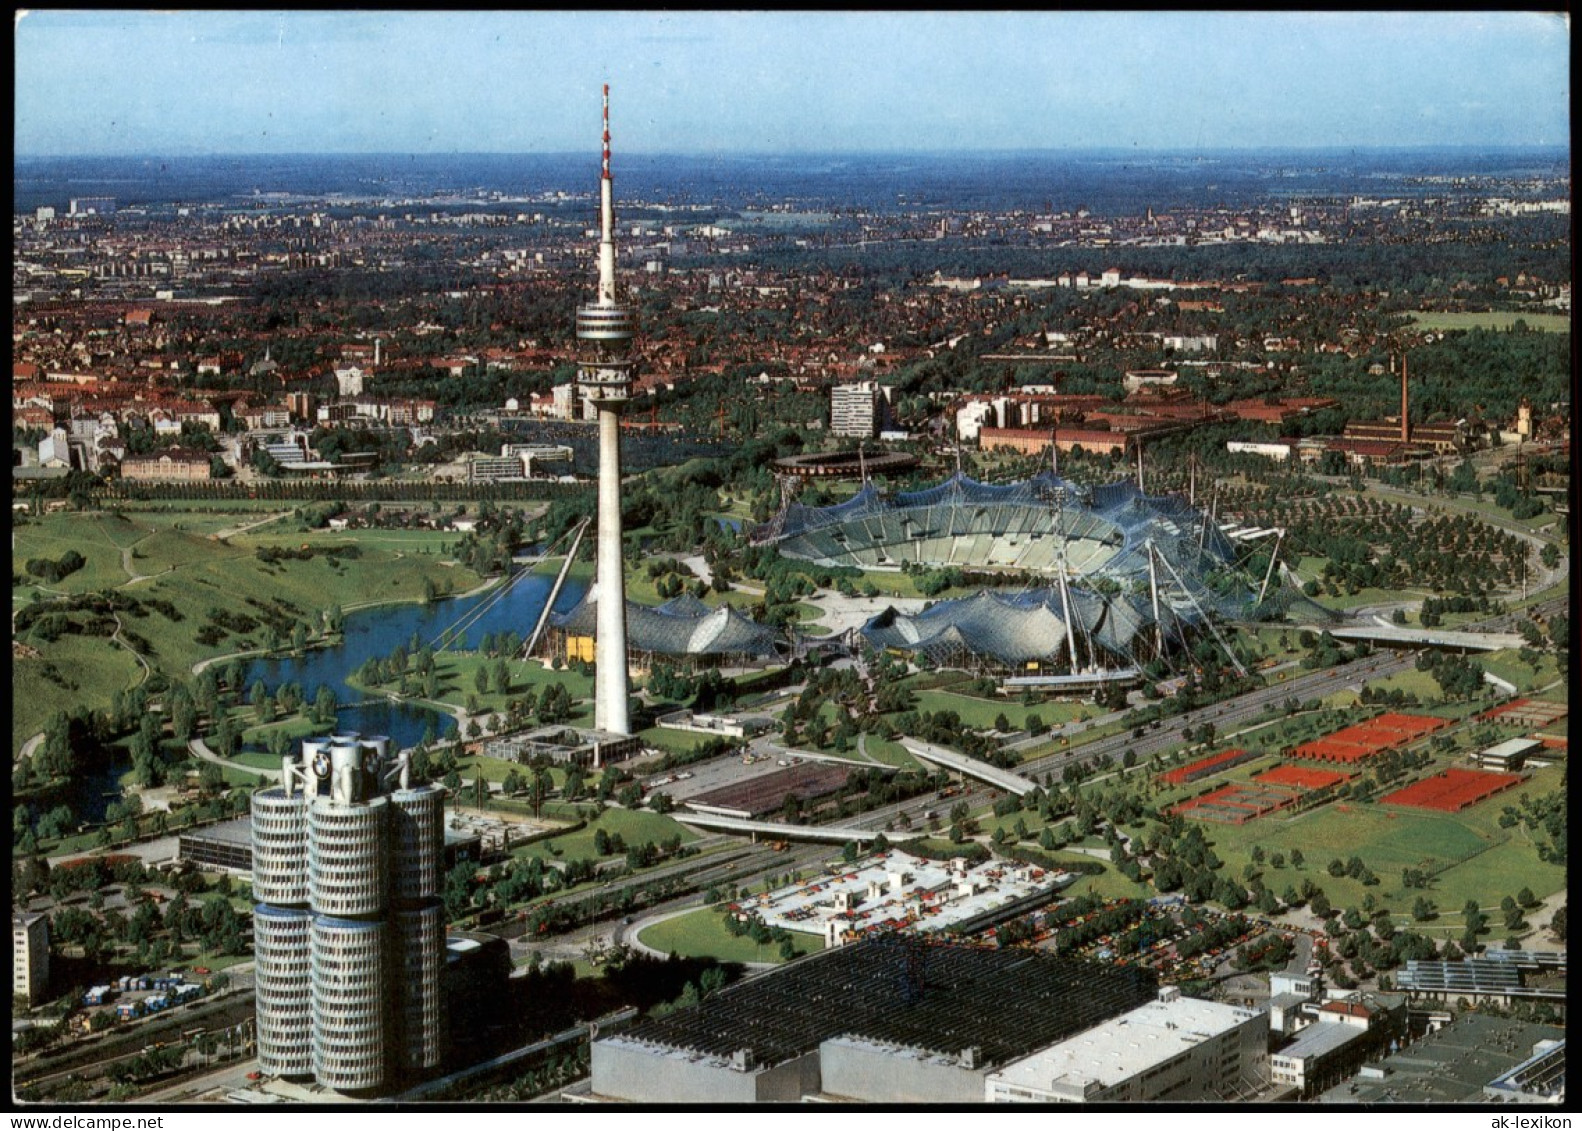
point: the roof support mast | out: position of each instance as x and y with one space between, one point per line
1065 595
1268 573
1153 589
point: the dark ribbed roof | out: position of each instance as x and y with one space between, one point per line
917 994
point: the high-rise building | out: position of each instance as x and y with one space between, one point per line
30 955
92 206
855 409
349 931
605 368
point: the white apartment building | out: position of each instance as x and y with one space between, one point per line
30 956
854 409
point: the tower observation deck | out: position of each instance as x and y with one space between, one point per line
605 367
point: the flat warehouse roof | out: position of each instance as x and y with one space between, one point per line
1126 1045
907 992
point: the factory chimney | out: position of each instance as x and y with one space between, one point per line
1406 427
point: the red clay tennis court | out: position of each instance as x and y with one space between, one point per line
1237 803
1452 791
1362 741
1303 777
1204 767
1526 713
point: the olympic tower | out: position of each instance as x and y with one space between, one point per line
605 368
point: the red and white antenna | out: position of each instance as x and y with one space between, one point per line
606 131
606 217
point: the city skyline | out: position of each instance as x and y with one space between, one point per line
752 82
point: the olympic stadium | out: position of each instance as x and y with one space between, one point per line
1130 575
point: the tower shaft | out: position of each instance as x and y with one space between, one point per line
610 675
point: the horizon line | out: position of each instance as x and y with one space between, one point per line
1196 150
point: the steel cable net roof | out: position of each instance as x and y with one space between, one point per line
1015 628
1101 537
1038 525
684 626
928 996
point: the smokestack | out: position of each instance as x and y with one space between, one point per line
1406 427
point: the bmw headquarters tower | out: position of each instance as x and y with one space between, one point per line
349 930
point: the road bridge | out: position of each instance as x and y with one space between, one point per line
832 833
1400 637
952 760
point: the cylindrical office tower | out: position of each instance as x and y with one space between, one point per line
350 1021
378 743
284 1005
346 857
420 972
311 749
417 839
280 848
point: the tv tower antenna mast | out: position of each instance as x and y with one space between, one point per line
605 368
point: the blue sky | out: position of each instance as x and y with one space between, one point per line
119 82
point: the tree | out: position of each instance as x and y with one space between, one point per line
325 705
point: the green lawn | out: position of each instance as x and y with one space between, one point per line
1108 885
457 674
981 713
98 538
197 574
702 934
1508 666
1489 320
1421 684
634 827
1494 861
674 741
890 753
73 670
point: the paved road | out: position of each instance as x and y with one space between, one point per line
200 749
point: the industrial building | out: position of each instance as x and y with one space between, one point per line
1475 1058
895 890
565 746
1318 1056
1175 1048
30 955
349 930
1507 756
1345 1031
515 462
1501 977
856 1021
